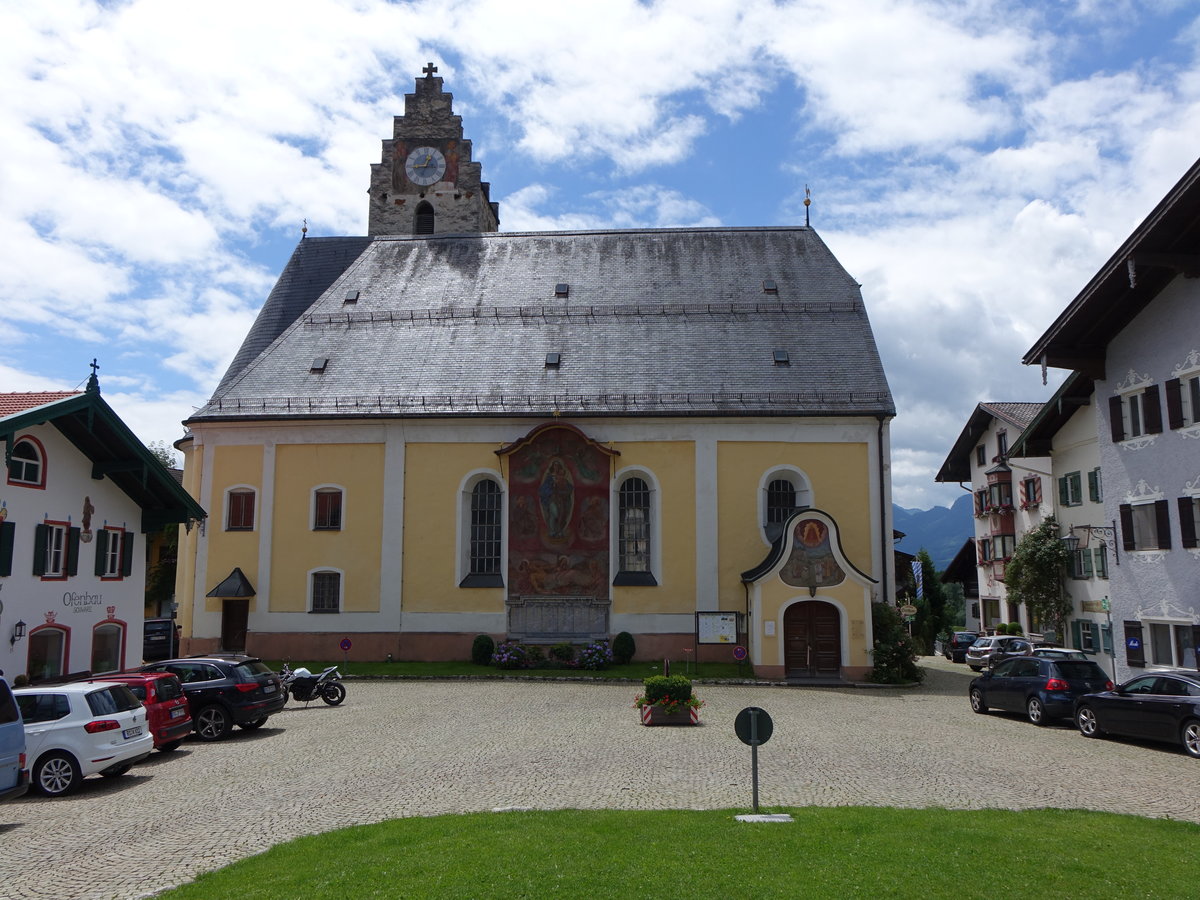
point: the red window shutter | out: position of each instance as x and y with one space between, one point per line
1116 420
1174 403
1037 490
1152 410
1162 516
1127 540
1187 523
1022 495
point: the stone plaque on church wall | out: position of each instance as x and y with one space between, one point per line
555 619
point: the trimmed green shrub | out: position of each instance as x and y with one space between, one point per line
1015 628
677 687
623 648
562 652
482 649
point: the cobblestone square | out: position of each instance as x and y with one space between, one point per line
417 748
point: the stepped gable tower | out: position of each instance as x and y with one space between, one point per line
426 182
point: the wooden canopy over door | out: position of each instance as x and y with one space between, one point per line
812 636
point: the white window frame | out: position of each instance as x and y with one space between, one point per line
113 552
1148 641
462 528
656 558
1188 373
312 507
57 548
310 579
39 453
801 483
1140 528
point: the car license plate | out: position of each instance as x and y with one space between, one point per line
268 688
177 712
132 732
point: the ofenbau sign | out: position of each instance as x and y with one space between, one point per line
82 602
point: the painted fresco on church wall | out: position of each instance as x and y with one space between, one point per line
558 528
811 563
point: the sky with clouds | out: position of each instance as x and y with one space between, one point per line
972 162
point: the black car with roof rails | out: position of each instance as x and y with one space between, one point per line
224 690
1156 706
1043 689
955 649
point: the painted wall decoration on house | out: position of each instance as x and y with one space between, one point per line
85 533
558 514
811 563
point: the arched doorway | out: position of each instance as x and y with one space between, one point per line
812 640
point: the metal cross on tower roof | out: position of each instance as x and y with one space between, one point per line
429 69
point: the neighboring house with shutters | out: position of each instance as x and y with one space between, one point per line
1133 330
1010 497
1065 431
440 430
78 495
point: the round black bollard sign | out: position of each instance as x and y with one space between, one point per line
753 726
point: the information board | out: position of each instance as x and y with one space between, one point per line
717 627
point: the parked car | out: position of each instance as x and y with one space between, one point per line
1157 706
1059 653
987 651
159 640
225 690
81 729
1042 689
955 649
166 707
14 776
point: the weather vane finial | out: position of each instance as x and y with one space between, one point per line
807 203
93 385
304 229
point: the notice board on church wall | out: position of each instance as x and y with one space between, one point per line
718 627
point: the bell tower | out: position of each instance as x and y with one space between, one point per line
425 182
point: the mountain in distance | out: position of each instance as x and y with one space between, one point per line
940 531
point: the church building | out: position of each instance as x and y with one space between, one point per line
440 430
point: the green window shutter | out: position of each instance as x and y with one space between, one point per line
101 550
41 536
1100 566
1085 558
73 551
127 553
1064 498
1106 638
1076 634
8 536
1094 486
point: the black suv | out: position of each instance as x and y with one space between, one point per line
955 649
225 690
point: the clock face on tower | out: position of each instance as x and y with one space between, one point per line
425 166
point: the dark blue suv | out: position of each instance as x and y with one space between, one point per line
1042 689
223 691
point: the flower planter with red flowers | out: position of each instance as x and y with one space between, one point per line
668 700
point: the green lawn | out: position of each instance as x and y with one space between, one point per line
827 852
456 669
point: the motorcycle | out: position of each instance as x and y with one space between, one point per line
305 687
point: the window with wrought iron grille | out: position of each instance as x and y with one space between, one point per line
781 503
485 528
326 592
633 538
327 510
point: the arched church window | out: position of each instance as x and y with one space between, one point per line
485 528
424 220
635 533
786 492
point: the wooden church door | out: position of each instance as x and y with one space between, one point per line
812 637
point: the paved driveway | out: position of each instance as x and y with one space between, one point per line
423 748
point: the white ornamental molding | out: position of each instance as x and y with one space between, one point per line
1132 382
1192 488
1137 443
1143 493
1168 610
1191 362
1147 557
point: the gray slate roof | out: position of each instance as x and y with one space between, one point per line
657 322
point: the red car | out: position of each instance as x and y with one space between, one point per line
166 706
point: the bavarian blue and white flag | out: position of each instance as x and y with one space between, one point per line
918 574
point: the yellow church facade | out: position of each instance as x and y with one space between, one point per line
442 430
